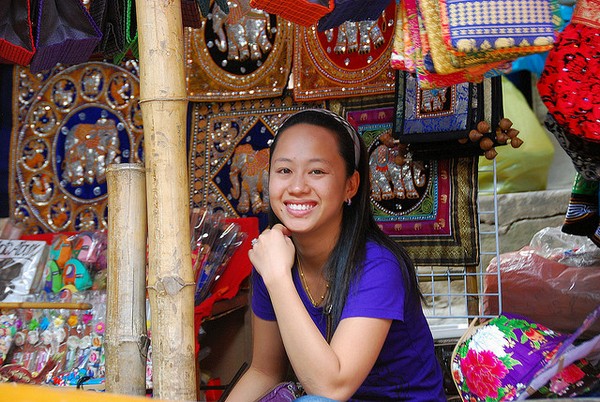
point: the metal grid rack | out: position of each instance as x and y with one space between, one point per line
455 295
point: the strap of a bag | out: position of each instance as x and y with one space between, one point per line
587 323
566 355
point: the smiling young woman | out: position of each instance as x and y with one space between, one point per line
333 297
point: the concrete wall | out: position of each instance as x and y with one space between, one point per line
521 215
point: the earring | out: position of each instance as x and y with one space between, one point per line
349 201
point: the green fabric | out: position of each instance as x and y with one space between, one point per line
525 168
131 34
583 186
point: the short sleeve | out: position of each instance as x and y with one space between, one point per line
379 291
261 302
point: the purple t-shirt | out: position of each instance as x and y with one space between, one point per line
407 368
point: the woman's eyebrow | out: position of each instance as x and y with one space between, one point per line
312 160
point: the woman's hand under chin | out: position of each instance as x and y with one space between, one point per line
273 254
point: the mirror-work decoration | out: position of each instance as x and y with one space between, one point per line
244 54
417 202
69 125
229 155
351 60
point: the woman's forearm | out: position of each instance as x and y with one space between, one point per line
313 360
251 386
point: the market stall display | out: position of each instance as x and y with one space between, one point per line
245 66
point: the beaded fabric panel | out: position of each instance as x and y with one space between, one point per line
417 203
229 153
68 126
347 61
424 115
246 54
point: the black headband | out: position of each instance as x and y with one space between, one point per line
351 130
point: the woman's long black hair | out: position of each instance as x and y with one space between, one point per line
358 225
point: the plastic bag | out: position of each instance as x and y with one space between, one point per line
575 251
525 168
548 292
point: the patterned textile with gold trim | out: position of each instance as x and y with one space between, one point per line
229 153
350 60
246 54
418 203
68 126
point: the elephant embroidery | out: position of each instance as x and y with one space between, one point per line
355 36
89 149
59 213
391 180
433 100
439 224
64 93
41 188
243 33
249 175
35 154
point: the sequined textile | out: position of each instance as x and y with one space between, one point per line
68 125
246 54
229 153
347 61
417 202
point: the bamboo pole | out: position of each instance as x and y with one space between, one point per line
126 340
171 282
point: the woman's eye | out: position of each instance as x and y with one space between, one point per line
283 170
317 171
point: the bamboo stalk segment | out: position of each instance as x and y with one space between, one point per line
126 340
171 283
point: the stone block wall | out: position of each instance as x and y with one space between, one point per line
522 215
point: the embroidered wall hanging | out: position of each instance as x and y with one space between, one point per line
436 123
246 54
417 202
350 60
229 154
68 125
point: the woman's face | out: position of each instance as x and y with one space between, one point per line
307 181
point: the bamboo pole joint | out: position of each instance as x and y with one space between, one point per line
170 285
157 99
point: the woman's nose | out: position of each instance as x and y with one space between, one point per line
298 184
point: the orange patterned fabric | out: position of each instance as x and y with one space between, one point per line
587 12
417 49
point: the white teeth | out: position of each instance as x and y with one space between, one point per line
299 207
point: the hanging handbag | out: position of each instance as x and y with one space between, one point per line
301 12
130 39
283 392
66 33
435 123
584 153
435 51
108 15
569 83
16 39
